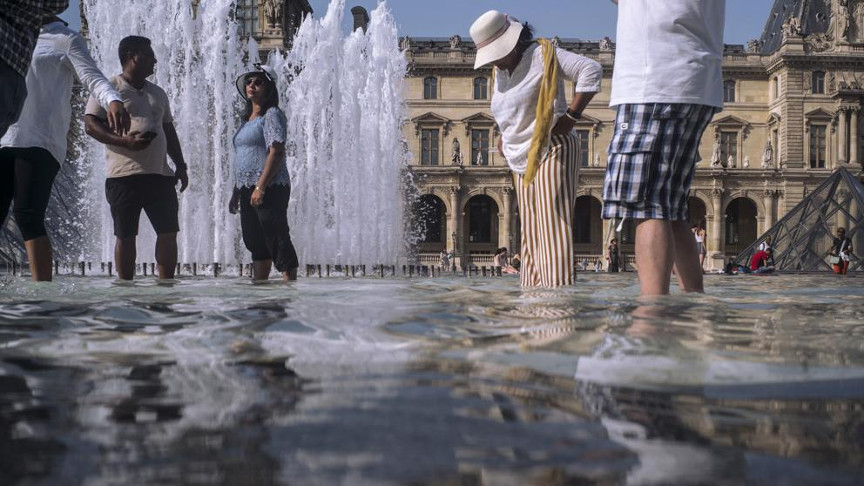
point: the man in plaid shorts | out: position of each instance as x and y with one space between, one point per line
667 85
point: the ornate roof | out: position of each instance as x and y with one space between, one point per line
813 17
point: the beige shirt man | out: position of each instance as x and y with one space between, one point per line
149 109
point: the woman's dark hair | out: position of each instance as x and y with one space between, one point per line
270 99
526 37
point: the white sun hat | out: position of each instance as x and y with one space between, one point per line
264 69
495 34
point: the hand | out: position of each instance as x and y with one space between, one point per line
234 203
182 177
564 126
257 198
136 141
118 118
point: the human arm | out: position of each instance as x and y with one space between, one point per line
275 130
176 154
99 87
98 129
586 75
234 203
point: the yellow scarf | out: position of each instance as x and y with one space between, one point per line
545 110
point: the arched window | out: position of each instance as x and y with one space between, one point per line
729 91
480 88
430 88
818 82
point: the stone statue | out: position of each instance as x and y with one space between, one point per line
597 160
405 43
715 155
456 156
272 12
455 42
767 155
754 46
792 27
746 162
730 162
859 21
606 44
840 20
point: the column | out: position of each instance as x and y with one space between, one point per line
715 239
506 217
853 136
453 221
841 136
770 208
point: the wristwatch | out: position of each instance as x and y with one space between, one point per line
572 115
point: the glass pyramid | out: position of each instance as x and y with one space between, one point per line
803 237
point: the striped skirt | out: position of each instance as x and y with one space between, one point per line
546 214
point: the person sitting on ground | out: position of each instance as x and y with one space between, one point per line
762 261
138 175
765 244
262 184
516 262
500 260
841 252
34 148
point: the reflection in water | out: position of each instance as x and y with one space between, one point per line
430 382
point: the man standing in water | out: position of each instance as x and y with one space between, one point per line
138 173
667 85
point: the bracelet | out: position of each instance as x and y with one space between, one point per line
572 115
258 188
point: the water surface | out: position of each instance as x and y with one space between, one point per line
433 381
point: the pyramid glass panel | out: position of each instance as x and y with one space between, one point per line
802 238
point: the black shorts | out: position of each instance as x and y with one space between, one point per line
26 176
153 193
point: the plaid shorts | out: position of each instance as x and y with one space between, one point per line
652 159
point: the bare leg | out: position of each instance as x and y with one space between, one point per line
289 275
687 258
39 254
125 253
166 254
655 253
261 269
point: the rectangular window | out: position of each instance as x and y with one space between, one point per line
479 147
582 137
728 147
818 82
729 91
429 147
480 85
247 16
817 146
430 88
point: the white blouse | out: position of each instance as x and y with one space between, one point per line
514 99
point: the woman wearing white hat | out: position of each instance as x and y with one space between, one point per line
536 122
262 183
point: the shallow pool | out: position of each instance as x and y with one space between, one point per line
431 381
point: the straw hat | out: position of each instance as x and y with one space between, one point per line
495 35
264 69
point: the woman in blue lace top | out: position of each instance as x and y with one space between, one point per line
262 183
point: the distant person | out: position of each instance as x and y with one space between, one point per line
762 261
598 266
667 84
613 256
500 260
138 174
699 233
20 21
444 260
516 262
35 146
766 243
529 104
262 184
584 263
841 252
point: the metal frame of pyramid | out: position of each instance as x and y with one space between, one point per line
802 238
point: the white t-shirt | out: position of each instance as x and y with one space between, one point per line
669 51
60 55
514 99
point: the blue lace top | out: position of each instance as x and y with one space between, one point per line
252 143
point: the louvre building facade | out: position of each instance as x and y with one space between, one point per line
791 117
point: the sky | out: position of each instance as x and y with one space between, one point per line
582 19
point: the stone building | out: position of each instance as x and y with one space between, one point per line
793 102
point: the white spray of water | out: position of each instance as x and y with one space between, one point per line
343 98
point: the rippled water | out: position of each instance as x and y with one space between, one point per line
436 381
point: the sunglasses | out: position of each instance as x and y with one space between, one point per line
257 82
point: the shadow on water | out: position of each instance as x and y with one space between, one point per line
450 381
